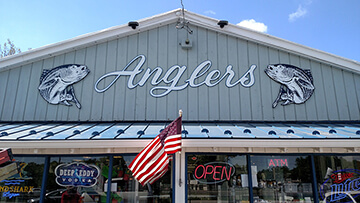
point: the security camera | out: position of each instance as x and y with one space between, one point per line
222 23
133 24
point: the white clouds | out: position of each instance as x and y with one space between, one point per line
308 2
300 12
252 24
210 12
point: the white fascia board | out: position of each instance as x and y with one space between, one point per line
87 40
272 143
170 17
275 42
186 143
69 144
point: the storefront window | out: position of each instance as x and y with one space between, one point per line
338 178
217 178
279 179
25 185
77 179
124 188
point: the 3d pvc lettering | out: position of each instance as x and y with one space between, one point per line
172 77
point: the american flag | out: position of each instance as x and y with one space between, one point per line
152 162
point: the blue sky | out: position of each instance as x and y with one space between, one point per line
332 26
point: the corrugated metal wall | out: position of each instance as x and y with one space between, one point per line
336 96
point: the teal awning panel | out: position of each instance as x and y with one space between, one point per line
20 128
22 132
135 131
48 132
92 131
152 130
190 130
113 132
215 131
194 130
72 130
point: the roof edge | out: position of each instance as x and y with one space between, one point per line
279 43
85 40
168 17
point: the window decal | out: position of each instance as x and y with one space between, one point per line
77 174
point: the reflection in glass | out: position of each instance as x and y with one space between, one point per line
25 185
214 178
76 176
338 178
281 179
124 188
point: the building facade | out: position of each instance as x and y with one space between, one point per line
264 119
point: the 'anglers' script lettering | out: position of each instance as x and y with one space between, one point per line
173 75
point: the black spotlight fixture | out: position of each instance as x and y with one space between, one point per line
222 23
133 24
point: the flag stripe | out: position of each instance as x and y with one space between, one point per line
153 161
138 158
141 157
163 163
158 176
173 144
153 164
148 158
172 149
159 171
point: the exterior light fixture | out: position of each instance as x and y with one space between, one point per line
186 44
133 24
222 23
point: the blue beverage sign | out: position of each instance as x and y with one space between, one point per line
341 186
76 174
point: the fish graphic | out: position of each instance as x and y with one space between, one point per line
56 84
296 84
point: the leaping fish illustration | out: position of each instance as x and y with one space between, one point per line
296 84
56 84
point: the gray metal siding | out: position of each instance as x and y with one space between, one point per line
352 94
336 96
10 92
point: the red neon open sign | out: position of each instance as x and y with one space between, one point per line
214 172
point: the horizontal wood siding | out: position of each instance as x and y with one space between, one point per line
336 97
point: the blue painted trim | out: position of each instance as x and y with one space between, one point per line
108 193
314 182
186 176
251 195
312 155
199 153
173 180
44 179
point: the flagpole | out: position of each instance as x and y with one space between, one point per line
180 181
